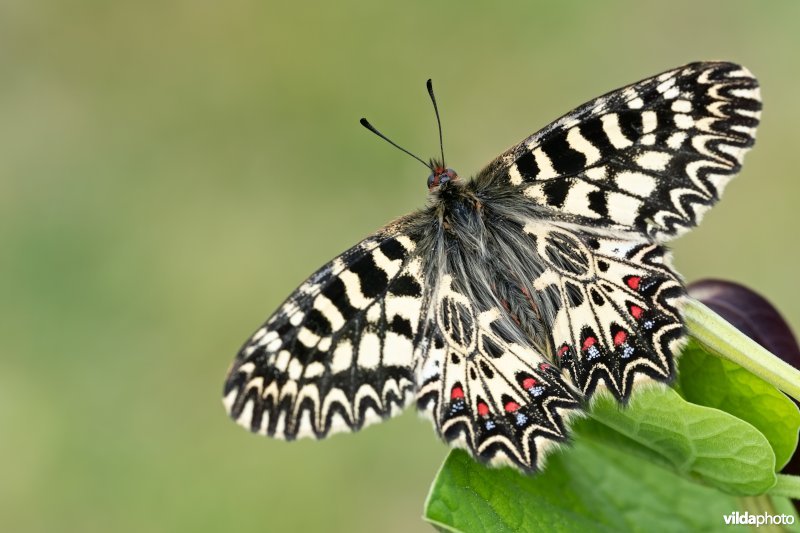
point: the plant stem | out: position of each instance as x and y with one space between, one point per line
719 336
787 486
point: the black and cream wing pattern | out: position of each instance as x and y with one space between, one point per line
512 298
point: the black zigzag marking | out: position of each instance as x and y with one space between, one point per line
655 155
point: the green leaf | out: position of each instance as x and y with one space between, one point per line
714 382
589 486
723 339
636 468
698 442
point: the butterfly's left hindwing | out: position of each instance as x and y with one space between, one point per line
337 355
618 317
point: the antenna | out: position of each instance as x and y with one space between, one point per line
438 120
364 122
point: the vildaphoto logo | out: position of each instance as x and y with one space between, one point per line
745 518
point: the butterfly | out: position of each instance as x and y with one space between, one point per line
512 298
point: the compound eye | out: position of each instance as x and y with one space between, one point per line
430 180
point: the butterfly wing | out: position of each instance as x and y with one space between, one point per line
653 156
617 318
484 391
337 355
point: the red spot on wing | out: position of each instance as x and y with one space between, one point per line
633 282
636 311
528 383
457 393
561 351
483 409
620 338
511 406
544 366
589 342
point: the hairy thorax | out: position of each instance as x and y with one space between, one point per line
482 244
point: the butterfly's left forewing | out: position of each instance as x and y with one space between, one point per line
651 157
601 189
337 355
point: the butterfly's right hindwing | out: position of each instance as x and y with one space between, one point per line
337 355
484 390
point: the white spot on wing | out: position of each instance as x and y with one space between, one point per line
750 94
324 344
228 400
649 121
546 170
308 338
387 265
613 131
342 357
665 85
513 175
246 417
405 306
622 208
577 200
397 350
653 160
338 423
636 183
329 311
407 243
295 369
314 370
682 106
536 192
671 93
596 173
684 122
304 428
369 351
579 143
675 140
283 360
374 313
265 338
352 286
636 103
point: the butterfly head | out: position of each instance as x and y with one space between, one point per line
440 175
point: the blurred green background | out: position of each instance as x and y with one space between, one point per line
170 170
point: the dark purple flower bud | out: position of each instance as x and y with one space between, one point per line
754 316
751 314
